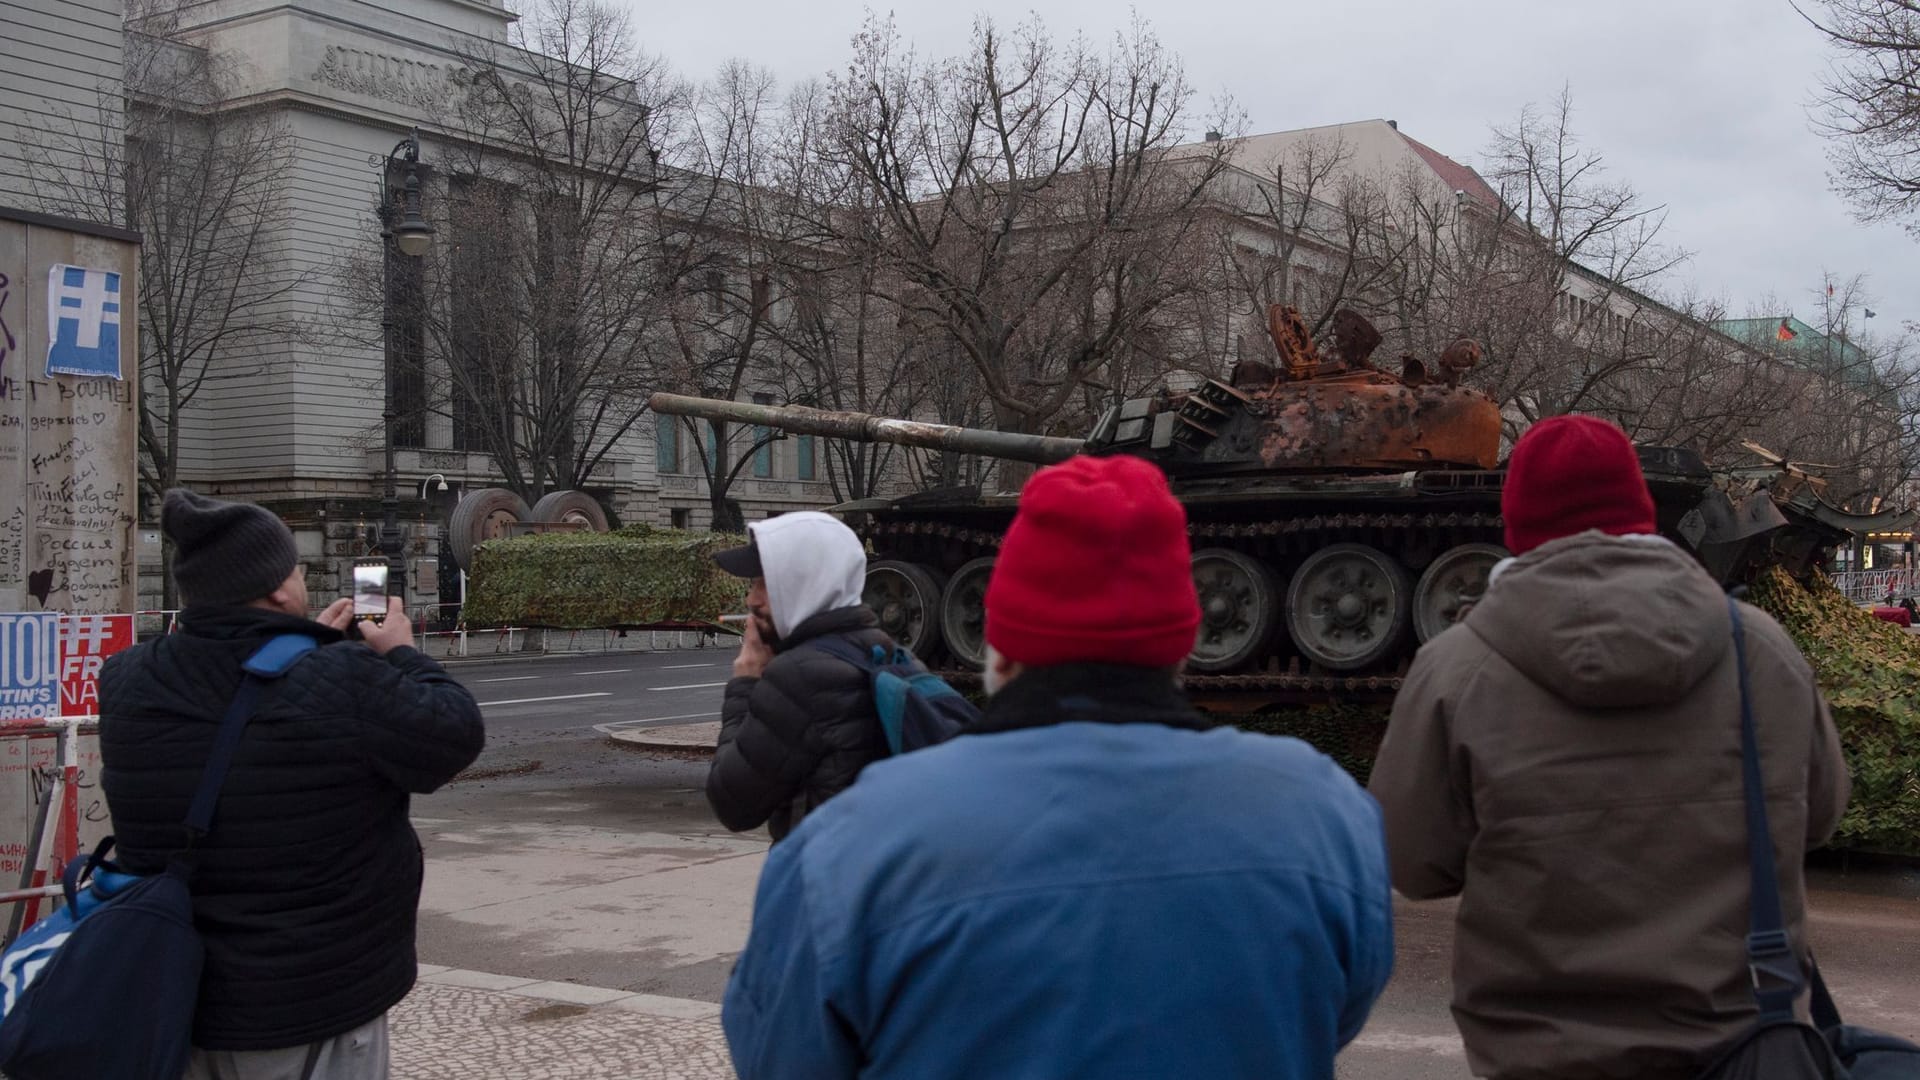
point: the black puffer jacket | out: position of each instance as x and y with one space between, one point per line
800 734
306 889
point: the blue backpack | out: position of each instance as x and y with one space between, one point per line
106 986
917 708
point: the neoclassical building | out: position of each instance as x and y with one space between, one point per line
299 427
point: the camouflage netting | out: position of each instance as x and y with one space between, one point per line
1870 673
634 576
1349 734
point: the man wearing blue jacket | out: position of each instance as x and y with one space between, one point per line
1089 883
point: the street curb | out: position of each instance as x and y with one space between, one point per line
701 735
566 993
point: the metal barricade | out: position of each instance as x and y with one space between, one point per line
1874 586
54 839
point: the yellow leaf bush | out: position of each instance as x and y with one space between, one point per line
1869 671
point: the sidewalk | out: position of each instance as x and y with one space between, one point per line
461 1024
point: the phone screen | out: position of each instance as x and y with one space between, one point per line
370 591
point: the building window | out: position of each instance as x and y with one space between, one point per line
716 291
483 337
713 449
805 452
680 518
666 444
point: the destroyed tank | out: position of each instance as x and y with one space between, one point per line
1340 514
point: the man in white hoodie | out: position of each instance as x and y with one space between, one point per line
798 724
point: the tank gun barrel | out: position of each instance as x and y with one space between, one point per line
863 427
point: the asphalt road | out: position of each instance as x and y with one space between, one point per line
564 856
542 698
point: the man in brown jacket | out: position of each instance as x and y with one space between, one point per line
1567 760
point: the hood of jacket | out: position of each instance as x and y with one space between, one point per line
812 563
1604 621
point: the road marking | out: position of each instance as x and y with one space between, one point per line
531 700
509 678
657 721
609 671
690 686
683 667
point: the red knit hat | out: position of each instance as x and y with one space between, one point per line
1095 569
1569 474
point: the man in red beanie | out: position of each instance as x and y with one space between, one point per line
1088 882
1567 760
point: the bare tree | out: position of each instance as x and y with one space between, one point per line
1855 396
727 225
1028 196
204 183
845 346
1870 103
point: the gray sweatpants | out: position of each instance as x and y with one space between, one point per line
360 1054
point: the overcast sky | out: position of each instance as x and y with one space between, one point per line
1700 104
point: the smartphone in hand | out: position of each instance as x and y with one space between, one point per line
370 591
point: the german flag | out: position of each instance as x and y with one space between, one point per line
1785 332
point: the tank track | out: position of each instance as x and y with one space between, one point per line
982 541
1248 688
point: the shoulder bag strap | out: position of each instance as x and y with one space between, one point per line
1826 1015
267 663
835 645
1771 964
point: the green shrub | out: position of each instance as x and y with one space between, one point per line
632 576
1869 671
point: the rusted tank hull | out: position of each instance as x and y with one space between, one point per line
1366 425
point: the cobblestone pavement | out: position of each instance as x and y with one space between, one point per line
463 1024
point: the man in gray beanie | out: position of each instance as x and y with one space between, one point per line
306 889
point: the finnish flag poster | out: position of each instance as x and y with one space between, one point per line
83 313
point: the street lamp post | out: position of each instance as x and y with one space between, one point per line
404 233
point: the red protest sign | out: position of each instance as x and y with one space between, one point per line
85 643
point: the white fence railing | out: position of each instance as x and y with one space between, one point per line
498 640
1874 586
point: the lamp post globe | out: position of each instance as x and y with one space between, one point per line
414 238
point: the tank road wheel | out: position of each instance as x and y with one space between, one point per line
1450 585
1348 606
574 506
1239 602
906 596
481 516
963 612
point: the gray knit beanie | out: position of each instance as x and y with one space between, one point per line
225 552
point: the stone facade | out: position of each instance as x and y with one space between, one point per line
60 69
301 430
